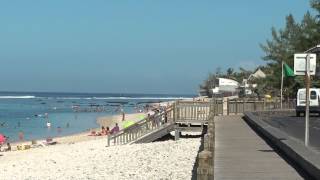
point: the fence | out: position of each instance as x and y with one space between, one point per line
192 111
241 105
205 169
181 112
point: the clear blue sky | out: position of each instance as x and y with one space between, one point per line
165 46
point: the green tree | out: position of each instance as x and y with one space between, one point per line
295 37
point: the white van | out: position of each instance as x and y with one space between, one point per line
314 101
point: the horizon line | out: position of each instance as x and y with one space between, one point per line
60 92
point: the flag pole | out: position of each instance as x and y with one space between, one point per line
281 91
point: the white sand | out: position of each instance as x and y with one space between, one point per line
92 160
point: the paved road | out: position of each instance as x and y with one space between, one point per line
295 127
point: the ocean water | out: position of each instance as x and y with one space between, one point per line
26 111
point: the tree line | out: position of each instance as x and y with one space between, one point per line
294 37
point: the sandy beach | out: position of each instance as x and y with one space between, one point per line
93 160
81 156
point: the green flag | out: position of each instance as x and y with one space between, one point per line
288 72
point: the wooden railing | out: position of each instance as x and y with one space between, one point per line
218 107
180 112
142 127
188 112
192 111
237 106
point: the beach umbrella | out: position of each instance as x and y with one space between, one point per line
267 96
2 139
128 123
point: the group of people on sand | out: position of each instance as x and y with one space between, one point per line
5 149
106 131
5 141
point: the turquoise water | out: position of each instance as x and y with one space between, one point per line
25 112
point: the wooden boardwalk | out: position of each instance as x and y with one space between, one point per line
241 154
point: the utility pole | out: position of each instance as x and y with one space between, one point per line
307 100
281 93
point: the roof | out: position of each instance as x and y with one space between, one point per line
258 74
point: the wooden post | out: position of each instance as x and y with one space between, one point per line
205 169
178 110
209 142
175 111
243 104
215 107
176 134
228 106
236 106
127 140
264 104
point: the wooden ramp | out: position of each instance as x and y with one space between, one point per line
156 134
241 154
181 116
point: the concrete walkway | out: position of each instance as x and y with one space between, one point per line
241 154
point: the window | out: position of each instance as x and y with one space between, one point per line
313 95
302 95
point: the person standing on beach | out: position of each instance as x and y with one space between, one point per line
123 114
8 147
21 136
107 130
115 129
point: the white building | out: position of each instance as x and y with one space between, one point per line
226 86
247 86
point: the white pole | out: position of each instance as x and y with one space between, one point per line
307 100
281 90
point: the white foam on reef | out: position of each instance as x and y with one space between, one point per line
124 98
141 98
98 98
17 97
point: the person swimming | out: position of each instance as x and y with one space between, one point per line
59 129
2 124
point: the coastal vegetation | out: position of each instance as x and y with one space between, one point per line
294 37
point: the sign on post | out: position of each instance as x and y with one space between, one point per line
300 64
305 65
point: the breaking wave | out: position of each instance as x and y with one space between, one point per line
17 97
